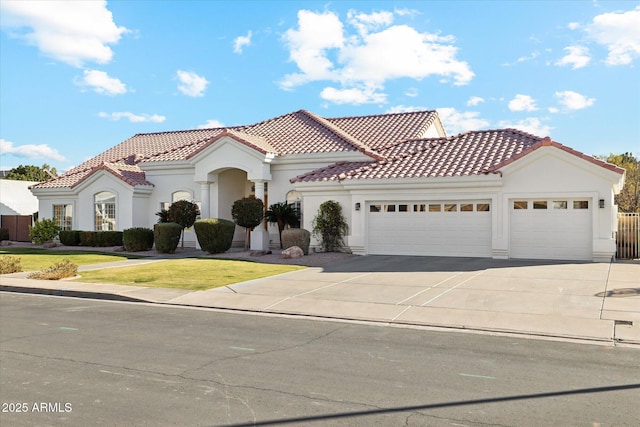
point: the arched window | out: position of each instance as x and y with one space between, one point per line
105 211
181 195
294 199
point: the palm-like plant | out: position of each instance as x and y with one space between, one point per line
284 215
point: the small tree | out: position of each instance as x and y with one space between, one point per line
32 173
329 226
43 231
247 212
284 215
183 212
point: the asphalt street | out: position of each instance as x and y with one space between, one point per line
81 362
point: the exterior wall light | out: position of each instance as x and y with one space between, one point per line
601 203
358 206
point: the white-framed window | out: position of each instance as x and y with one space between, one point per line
63 216
294 198
104 204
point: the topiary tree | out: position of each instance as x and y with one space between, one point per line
247 212
183 212
329 226
284 215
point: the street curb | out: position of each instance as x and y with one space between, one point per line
506 332
70 293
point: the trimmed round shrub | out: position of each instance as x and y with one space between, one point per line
4 234
70 237
137 239
167 236
296 237
215 235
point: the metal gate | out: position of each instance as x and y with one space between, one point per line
628 236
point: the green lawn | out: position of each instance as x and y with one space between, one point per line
34 259
190 274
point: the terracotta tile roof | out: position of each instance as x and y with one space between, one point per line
377 131
294 133
257 143
470 153
547 142
131 174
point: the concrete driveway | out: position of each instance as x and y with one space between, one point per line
544 298
588 301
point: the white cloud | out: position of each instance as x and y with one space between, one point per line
308 45
100 82
522 103
364 23
31 151
619 32
573 100
474 100
376 52
461 121
353 96
573 25
531 57
411 92
211 123
191 84
133 118
73 32
241 41
577 56
532 125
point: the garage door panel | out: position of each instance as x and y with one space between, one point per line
550 233
430 233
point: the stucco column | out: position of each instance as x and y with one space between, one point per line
259 236
205 199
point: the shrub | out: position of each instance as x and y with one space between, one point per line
215 235
87 238
59 270
70 237
4 234
109 238
43 231
329 226
137 239
296 237
167 236
10 264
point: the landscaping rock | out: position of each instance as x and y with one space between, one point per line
293 252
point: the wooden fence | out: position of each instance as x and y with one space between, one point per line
18 226
628 236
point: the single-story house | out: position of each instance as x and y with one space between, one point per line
404 185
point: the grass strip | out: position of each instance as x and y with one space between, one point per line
190 274
34 259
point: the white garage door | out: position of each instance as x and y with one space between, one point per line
551 229
434 228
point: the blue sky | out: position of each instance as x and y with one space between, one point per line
77 78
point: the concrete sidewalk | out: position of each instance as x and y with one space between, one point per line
582 301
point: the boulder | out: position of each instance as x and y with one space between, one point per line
293 252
